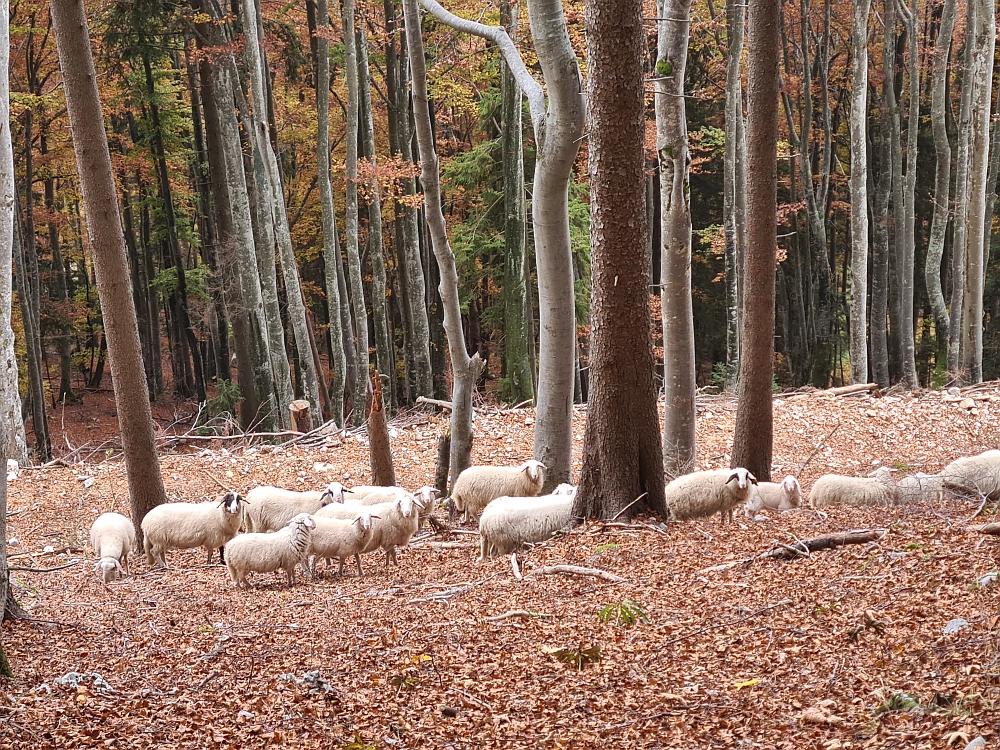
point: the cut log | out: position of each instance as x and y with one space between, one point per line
434 402
987 528
443 465
299 411
379 450
830 541
846 390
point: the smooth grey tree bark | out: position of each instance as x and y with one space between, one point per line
465 369
107 243
361 365
10 398
859 193
881 183
984 41
331 253
558 132
734 186
679 443
273 203
942 174
905 265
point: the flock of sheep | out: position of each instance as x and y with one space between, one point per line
283 529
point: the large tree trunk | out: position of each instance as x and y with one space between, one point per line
557 151
984 41
107 243
754 432
519 340
942 175
465 369
273 203
331 251
675 237
734 185
622 458
859 193
361 366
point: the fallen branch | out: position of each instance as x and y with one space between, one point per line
830 541
515 566
70 564
448 593
434 402
846 390
987 528
440 527
443 545
816 450
521 613
575 570
737 621
240 436
644 494
979 509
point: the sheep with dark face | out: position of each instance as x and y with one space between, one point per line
705 493
185 525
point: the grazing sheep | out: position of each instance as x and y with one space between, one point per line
184 525
271 508
398 521
340 538
264 553
780 496
705 493
920 487
975 475
112 536
478 485
509 522
835 489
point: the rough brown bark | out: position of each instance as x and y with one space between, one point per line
379 450
754 433
622 458
107 244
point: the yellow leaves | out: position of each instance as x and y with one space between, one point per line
746 683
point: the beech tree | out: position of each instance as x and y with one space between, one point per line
107 244
859 193
754 431
622 458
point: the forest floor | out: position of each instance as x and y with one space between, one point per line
847 648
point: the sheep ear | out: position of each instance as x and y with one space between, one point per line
97 566
373 516
119 566
735 475
751 477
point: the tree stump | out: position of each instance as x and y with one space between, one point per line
299 410
379 451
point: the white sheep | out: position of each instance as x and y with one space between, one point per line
478 485
398 521
373 495
112 536
920 487
781 496
264 553
836 489
705 493
564 489
185 525
340 538
271 508
509 522
978 475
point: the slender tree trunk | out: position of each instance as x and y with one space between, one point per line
859 193
465 369
518 338
675 232
881 184
907 258
273 202
346 325
5 670
753 436
361 371
942 175
331 252
956 362
734 186
622 454
984 41
64 343
107 245
992 178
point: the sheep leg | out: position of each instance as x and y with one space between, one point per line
222 555
146 545
125 564
357 559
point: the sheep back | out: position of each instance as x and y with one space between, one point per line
508 523
705 493
271 508
837 489
113 537
477 486
340 538
974 474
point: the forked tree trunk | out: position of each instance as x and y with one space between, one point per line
107 243
622 458
984 41
465 369
675 233
859 193
754 432
734 185
942 175
331 251
354 276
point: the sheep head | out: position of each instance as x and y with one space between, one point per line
426 496
333 493
406 501
302 521
791 486
743 478
110 568
534 469
565 489
883 474
230 502
364 520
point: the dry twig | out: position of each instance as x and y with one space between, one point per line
575 570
